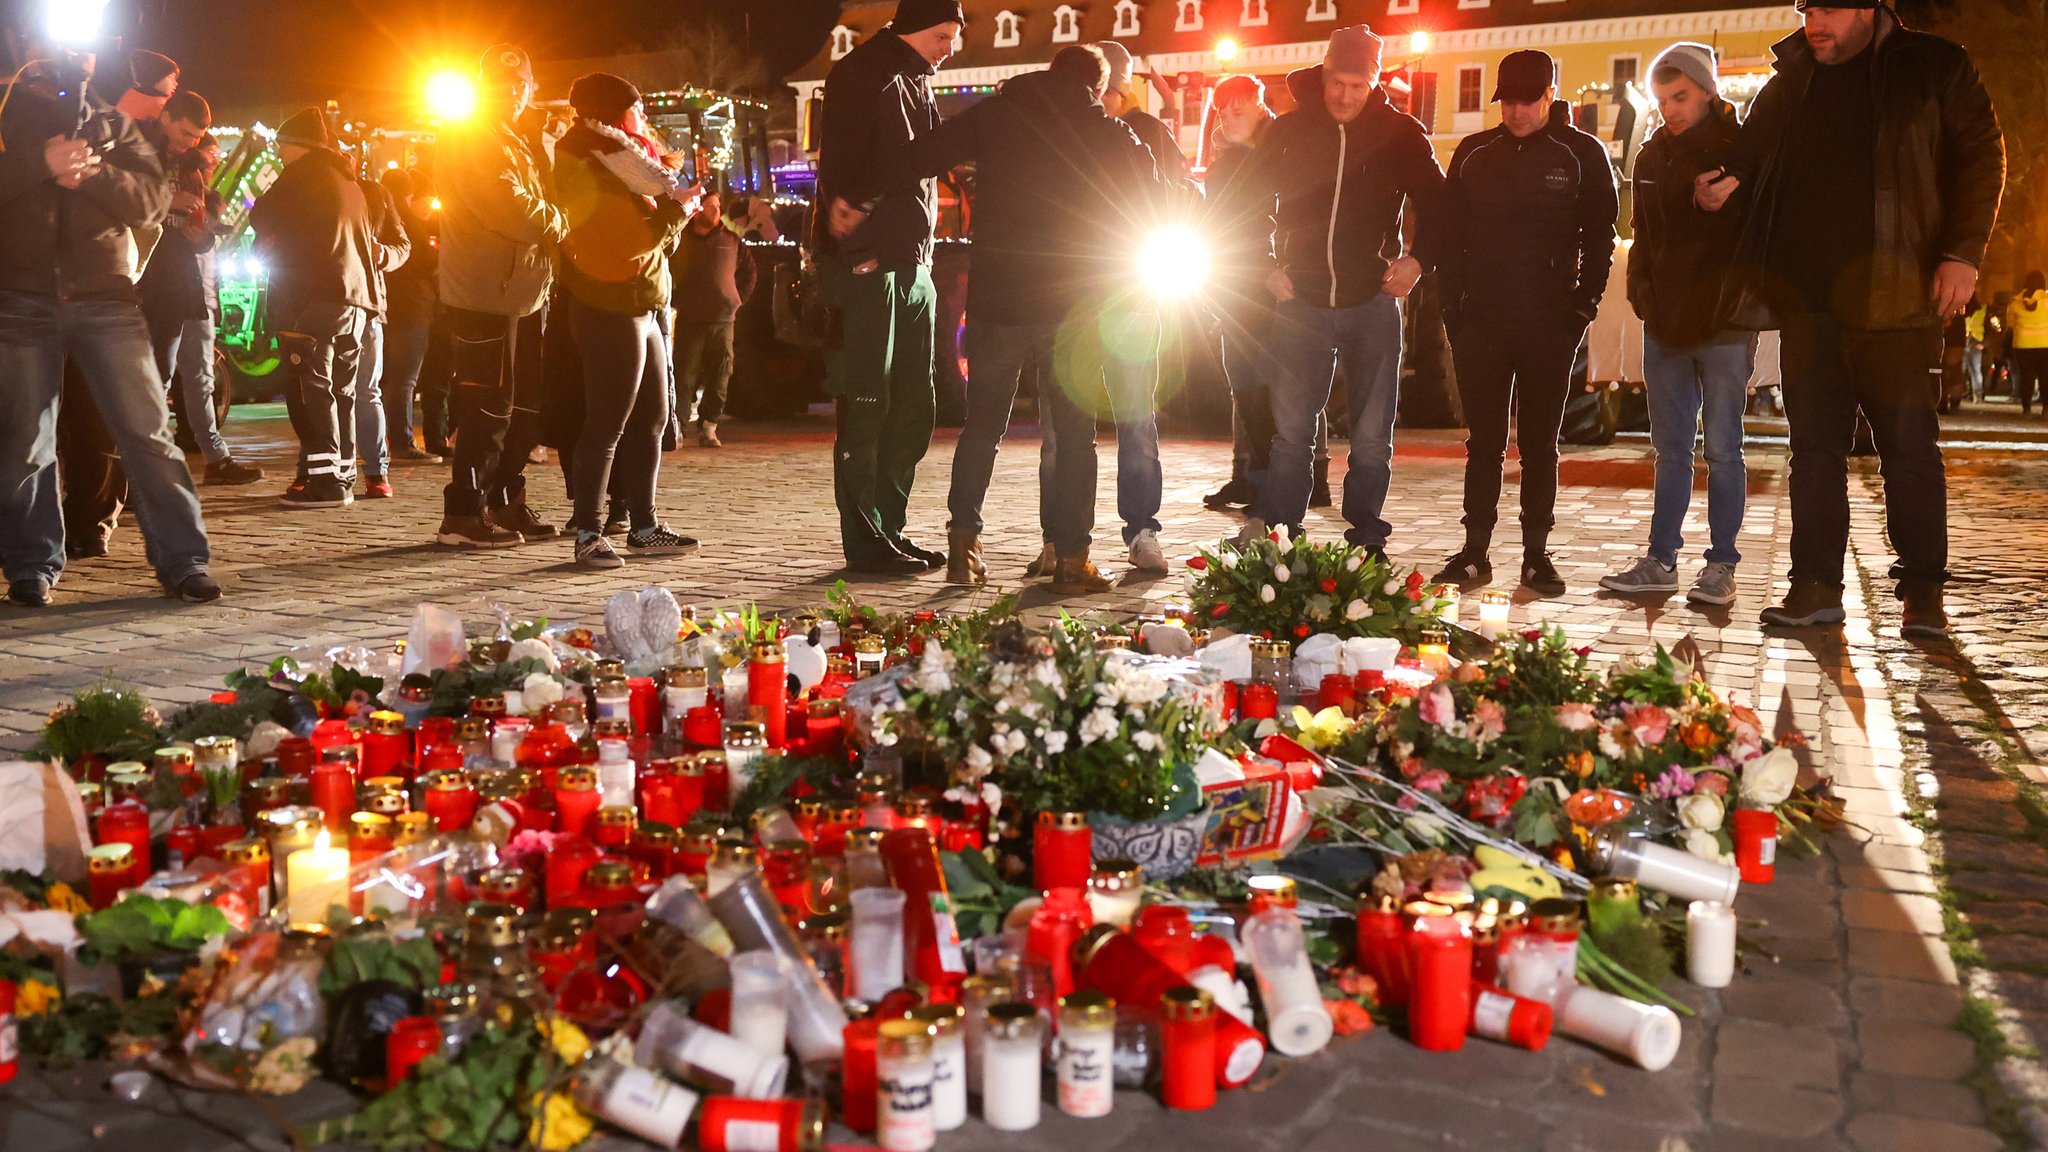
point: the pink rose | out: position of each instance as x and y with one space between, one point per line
1649 723
1411 768
1576 717
1712 783
1489 721
1433 780
1438 707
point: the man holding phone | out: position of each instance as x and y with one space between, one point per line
1872 165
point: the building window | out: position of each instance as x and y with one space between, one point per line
1422 99
1322 9
1472 88
1254 14
1401 7
1007 23
842 41
1625 70
1066 24
1126 18
1473 3
1188 16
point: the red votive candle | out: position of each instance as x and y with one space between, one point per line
857 1075
1187 1079
768 690
1062 854
1259 701
1440 999
1756 844
576 800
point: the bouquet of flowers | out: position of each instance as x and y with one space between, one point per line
1293 589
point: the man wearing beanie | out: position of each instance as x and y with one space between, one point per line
319 249
1871 167
1345 165
1693 366
1526 240
1152 132
874 250
499 231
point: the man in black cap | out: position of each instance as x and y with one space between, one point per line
1525 240
320 251
498 234
1872 164
875 251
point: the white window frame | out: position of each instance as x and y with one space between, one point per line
1009 29
1475 3
1642 81
1402 7
1187 15
1066 24
1126 18
842 41
1463 122
1254 14
1322 10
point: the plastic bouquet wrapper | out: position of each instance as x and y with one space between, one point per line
262 1020
1187 678
435 877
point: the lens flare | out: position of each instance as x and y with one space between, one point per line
1174 262
451 95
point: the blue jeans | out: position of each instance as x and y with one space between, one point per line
1365 341
1684 385
1973 368
997 355
371 446
1109 366
405 353
184 350
109 342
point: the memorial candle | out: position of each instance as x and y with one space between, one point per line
316 879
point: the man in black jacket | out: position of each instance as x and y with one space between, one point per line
1344 162
1526 241
1872 166
874 250
1692 365
1060 186
71 194
315 237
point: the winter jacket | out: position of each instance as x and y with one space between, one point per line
615 258
1940 169
1063 193
498 227
412 289
394 244
714 274
878 99
1681 252
316 239
1341 191
1239 216
73 243
182 280
1526 228
1153 133
2027 319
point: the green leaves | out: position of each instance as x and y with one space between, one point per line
144 925
981 898
479 1100
355 959
107 721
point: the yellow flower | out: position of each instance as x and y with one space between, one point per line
60 897
557 1122
1323 730
34 997
568 1040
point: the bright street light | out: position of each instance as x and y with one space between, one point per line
1174 262
73 23
451 95
1226 50
1418 43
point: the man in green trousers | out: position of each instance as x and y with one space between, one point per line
874 254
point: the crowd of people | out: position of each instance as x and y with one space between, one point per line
1849 210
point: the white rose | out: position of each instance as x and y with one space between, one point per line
1265 593
1701 811
1356 610
1055 742
535 649
1768 779
1282 573
978 760
1146 740
1702 844
539 691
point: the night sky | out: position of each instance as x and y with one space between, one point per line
263 58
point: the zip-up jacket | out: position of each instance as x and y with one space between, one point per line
1239 214
1341 191
314 233
1681 252
394 245
615 258
498 228
1940 169
2027 319
72 242
878 99
1527 226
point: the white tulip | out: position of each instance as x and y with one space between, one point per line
1265 593
1282 573
1356 610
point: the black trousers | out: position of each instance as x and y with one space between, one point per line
495 407
625 409
1894 377
2031 379
1523 363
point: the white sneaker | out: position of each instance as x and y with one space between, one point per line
1146 555
1647 574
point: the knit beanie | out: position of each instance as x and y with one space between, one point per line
1353 51
307 128
1693 59
1119 60
918 15
152 72
602 97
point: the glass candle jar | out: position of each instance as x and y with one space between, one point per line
730 859
870 654
248 861
1493 613
616 772
786 866
615 824
876 942
1012 1072
1087 1052
612 699
824 938
109 870
701 1055
1061 853
978 994
1554 924
334 793
387 746
576 800
683 688
678 903
858 1090
760 1009
1188 1039
1709 944
750 915
905 1116
1440 996
644 1103
1115 891
1296 1021
746 745
768 690
730 1124
1510 1019
949 1063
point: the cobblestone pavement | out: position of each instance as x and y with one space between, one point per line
1844 1033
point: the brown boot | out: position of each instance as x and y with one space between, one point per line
963 558
1043 566
1077 576
519 517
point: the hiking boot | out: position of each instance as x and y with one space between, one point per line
707 436
376 488
1540 575
890 563
1146 554
1922 614
320 492
910 548
1809 602
198 588
228 470
594 551
1044 566
1716 585
1078 576
29 592
412 455
963 558
1467 570
1647 574
520 518
474 532
1238 493
659 541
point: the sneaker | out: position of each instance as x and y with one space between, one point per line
324 492
198 588
707 436
595 551
412 455
228 470
931 557
376 488
441 449
614 518
1716 585
1647 574
1078 576
890 563
1540 575
1468 570
31 592
1809 602
1254 530
1146 555
521 518
474 532
1923 614
1044 566
1238 493
659 541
